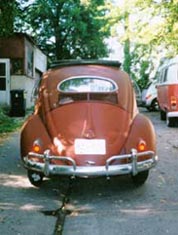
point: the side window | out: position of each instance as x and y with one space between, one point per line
164 75
158 76
172 73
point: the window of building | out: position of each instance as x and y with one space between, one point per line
30 62
17 66
2 76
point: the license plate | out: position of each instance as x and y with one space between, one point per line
94 146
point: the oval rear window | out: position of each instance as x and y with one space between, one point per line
87 84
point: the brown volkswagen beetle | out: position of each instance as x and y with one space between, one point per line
86 124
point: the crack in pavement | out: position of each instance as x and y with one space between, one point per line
62 211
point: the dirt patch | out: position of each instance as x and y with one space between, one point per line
4 137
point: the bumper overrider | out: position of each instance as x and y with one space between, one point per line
134 167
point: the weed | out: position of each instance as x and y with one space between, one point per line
8 124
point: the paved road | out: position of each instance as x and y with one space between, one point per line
117 207
92 206
24 209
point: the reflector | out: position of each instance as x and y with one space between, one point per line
36 148
141 146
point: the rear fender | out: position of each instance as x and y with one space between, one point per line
33 129
141 129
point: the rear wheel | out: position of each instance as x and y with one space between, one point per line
162 115
154 105
140 178
35 178
171 121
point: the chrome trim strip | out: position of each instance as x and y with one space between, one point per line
88 76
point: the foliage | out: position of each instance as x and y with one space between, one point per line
8 124
170 14
147 29
8 10
68 29
141 26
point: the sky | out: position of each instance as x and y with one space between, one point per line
116 49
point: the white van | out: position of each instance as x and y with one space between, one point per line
167 90
149 98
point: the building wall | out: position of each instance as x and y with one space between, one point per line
28 63
29 58
40 60
12 47
24 83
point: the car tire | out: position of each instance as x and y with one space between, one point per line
35 178
140 178
171 121
162 115
154 105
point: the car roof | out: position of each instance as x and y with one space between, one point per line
110 69
62 63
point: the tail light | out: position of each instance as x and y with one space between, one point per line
173 102
148 96
37 146
141 146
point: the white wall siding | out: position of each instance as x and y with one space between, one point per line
25 83
40 60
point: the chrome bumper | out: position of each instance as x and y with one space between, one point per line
172 114
134 167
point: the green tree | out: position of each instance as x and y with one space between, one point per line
139 26
68 29
169 11
120 20
8 11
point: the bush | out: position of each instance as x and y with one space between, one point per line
8 124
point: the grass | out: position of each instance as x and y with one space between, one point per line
8 124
